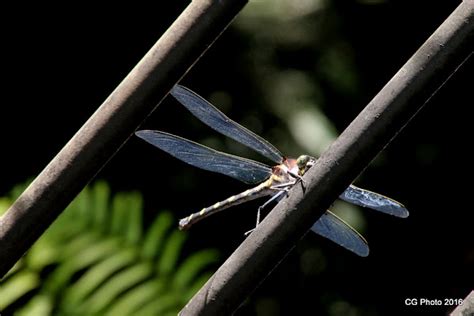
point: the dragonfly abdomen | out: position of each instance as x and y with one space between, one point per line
261 190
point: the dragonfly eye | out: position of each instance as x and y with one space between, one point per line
304 162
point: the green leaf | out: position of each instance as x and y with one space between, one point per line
134 299
135 224
81 207
16 286
191 267
39 257
97 275
171 252
155 237
88 256
167 303
40 305
4 204
197 284
100 194
119 217
115 286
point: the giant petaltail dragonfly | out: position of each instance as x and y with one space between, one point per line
272 181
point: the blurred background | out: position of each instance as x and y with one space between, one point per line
295 72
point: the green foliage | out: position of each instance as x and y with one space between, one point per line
97 259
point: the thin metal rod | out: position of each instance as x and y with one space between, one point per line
374 127
112 124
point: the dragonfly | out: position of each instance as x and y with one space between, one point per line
271 181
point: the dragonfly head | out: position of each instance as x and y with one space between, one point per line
304 162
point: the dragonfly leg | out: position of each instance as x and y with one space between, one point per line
296 176
298 179
282 190
283 186
257 223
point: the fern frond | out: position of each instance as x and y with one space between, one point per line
96 259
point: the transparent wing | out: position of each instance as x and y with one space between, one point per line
203 157
211 116
335 229
375 201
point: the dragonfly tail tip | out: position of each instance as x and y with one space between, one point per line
404 213
184 224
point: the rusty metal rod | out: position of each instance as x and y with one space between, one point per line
112 124
389 111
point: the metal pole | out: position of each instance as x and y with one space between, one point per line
112 124
391 109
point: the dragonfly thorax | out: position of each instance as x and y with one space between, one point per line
282 173
290 168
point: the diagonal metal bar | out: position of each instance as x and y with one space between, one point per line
390 110
112 124
464 306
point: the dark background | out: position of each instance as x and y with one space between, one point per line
60 63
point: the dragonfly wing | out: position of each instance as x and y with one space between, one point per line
203 157
211 116
335 229
375 201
